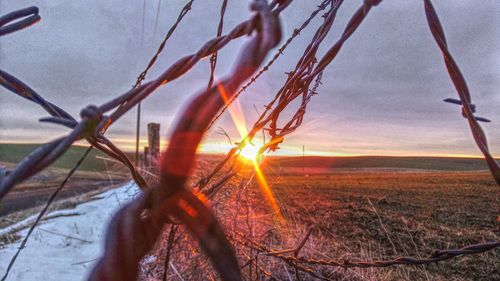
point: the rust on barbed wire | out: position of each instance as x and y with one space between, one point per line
279 52
233 152
171 197
213 58
438 255
61 117
47 153
137 225
462 89
294 86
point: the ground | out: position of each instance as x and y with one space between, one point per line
363 211
383 214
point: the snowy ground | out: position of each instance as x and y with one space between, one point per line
64 248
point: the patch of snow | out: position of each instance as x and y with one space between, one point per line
65 247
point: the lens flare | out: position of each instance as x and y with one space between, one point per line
250 151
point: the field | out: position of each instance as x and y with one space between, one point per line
14 152
376 215
356 208
95 174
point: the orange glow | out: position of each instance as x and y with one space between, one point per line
250 151
188 209
266 189
235 111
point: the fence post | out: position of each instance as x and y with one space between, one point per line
154 141
146 156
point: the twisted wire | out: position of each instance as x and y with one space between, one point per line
131 226
43 212
462 89
279 52
436 256
213 58
140 222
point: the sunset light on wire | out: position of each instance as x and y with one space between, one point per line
250 151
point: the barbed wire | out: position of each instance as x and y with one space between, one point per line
462 89
204 181
288 255
61 117
93 121
137 225
187 7
18 20
130 226
305 77
296 85
153 60
281 50
44 211
213 58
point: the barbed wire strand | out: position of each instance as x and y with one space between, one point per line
287 93
438 255
173 198
461 87
18 20
60 116
51 150
151 63
213 58
213 63
204 181
47 153
170 196
278 53
185 10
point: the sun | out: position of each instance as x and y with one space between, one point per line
250 152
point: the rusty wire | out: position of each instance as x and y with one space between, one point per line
303 74
18 20
60 116
171 31
202 183
153 60
139 223
462 89
295 86
93 123
281 50
171 196
436 256
213 58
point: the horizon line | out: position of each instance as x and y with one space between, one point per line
326 154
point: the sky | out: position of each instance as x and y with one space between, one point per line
381 96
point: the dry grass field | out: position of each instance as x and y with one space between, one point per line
362 214
382 214
355 208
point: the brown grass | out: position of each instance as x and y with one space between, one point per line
356 215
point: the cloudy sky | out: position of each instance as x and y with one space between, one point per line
381 96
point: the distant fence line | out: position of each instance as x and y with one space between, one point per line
139 223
